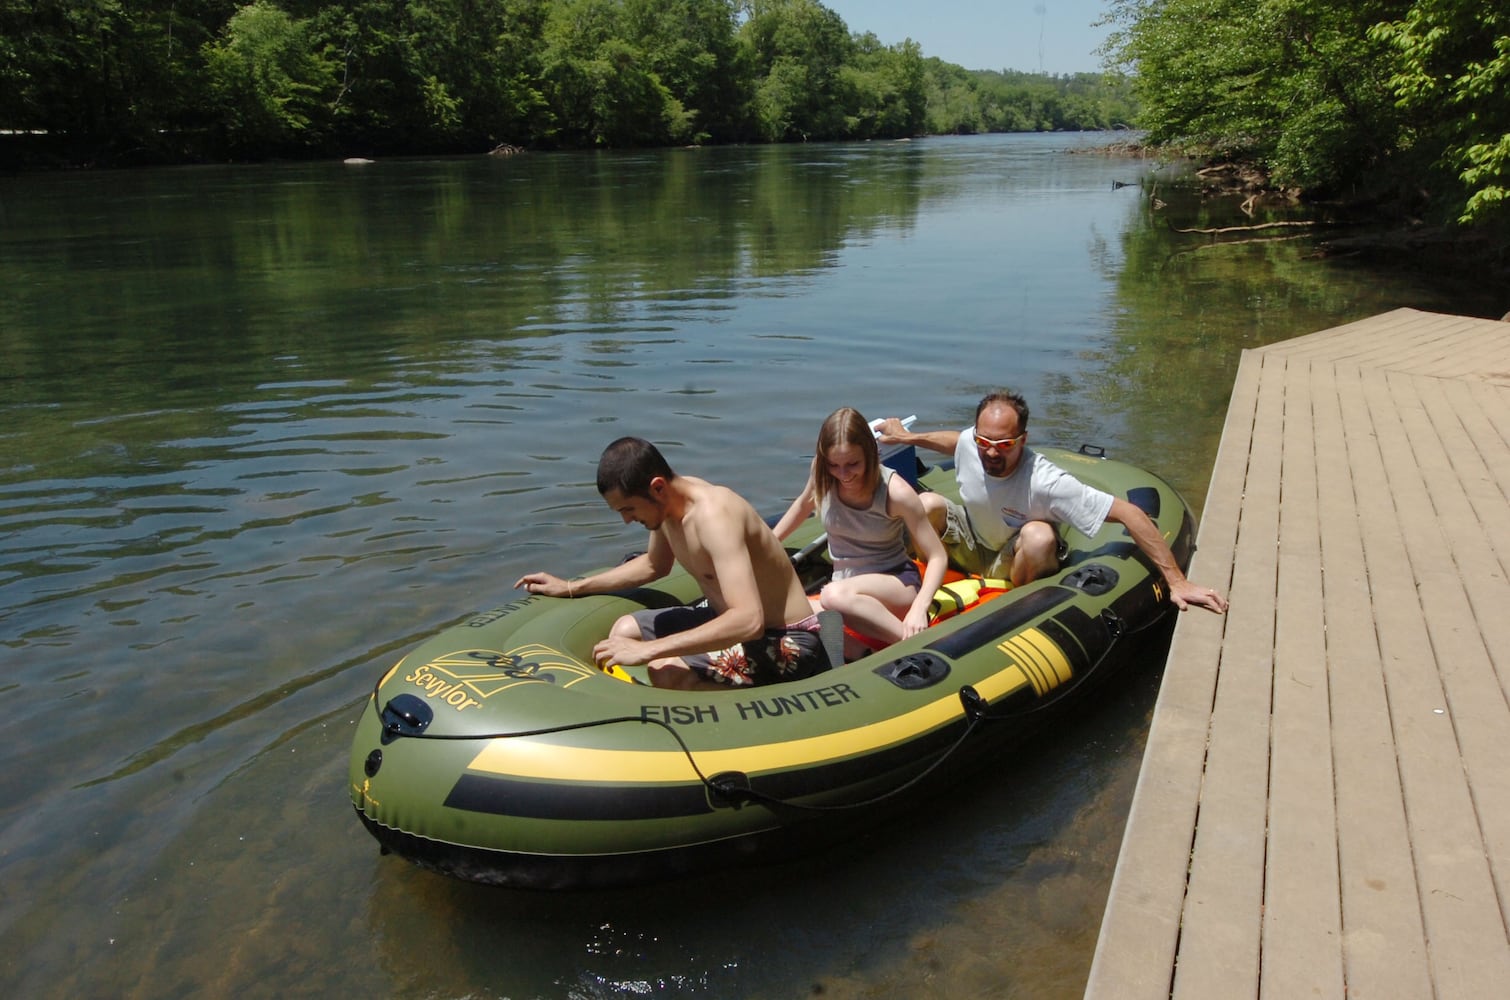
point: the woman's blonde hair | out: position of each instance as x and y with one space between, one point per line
844 426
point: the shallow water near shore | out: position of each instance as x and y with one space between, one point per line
264 428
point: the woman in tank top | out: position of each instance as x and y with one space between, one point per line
865 506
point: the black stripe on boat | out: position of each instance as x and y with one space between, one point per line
562 800
992 624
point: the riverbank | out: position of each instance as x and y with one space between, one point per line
1381 231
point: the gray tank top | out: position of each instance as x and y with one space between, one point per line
863 541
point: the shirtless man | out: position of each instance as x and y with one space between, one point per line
1012 498
758 620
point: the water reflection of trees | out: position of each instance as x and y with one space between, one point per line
176 289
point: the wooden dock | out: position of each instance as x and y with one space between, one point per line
1324 805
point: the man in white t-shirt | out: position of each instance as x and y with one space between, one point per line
1012 498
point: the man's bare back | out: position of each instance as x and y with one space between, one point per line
716 514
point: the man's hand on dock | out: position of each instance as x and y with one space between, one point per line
1185 594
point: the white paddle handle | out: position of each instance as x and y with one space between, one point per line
907 422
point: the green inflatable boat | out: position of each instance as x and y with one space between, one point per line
497 752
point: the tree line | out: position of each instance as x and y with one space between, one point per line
1400 100
122 81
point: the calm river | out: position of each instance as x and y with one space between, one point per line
263 428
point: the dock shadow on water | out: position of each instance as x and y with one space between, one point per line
264 429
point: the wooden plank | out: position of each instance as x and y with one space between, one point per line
1404 348
1451 871
1218 953
1302 922
1413 341
1351 825
1456 347
1476 513
1493 402
1453 347
1135 953
1378 342
1384 944
1460 574
1481 350
1346 341
1484 413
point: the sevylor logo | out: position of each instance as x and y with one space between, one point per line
468 677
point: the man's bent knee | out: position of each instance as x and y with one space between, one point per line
1037 552
625 628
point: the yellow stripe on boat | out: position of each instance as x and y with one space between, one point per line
531 758
1043 661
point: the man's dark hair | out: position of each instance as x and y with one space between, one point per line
629 464
1012 399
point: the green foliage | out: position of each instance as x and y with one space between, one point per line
484 58
602 89
1376 97
966 102
265 78
1294 83
1455 54
798 49
885 90
103 77
435 74
691 47
181 79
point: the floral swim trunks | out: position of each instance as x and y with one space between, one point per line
781 654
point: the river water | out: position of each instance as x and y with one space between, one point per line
263 428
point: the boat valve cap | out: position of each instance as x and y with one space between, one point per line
731 788
975 706
405 715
